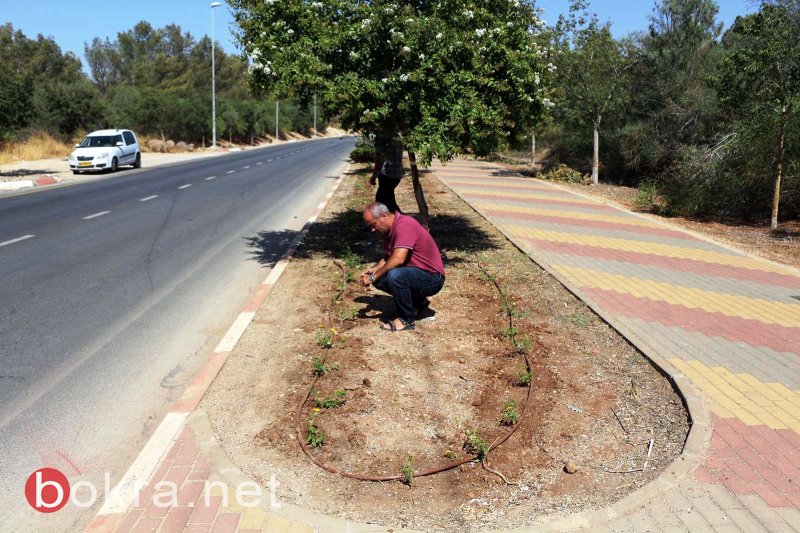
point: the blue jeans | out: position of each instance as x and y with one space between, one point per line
409 286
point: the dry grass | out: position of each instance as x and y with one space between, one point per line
39 145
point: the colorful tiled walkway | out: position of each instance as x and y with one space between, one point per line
728 322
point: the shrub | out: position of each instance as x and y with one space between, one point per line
362 154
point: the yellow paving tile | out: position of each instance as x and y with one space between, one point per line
710 301
278 523
621 218
721 412
628 245
772 421
746 417
252 518
467 191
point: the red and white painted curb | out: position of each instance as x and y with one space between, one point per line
144 466
38 181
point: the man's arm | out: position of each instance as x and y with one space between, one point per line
378 164
398 258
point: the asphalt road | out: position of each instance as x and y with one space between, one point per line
115 291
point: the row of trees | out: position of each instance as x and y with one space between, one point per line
707 119
155 81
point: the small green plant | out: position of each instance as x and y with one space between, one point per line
646 196
314 437
359 186
476 444
347 313
510 415
449 454
408 471
336 399
325 337
524 377
522 344
320 368
350 258
580 320
511 332
349 277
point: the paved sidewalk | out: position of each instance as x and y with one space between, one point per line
728 322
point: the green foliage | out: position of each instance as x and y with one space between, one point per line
476 444
332 401
408 470
562 172
646 197
315 437
321 368
362 154
524 377
510 414
446 76
325 337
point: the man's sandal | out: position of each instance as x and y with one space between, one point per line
389 326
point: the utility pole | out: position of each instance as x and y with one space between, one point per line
213 82
277 116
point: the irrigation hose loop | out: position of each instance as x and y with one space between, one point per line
298 415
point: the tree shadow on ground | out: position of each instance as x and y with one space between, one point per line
23 172
345 235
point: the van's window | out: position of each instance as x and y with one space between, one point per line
99 141
129 139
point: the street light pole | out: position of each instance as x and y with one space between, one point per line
213 82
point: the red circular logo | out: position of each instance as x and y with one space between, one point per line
47 490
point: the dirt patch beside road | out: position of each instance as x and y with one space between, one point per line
411 398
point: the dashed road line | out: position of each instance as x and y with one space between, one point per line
101 213
269 160
245 168
230 172
211 178
148 198
185 186
260 163
18 239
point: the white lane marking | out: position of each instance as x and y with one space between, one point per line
18 239
185 186
148 198
245 168
211 178
101 213
230 172
269 160
142 469
260 163
235 332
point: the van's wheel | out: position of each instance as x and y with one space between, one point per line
75 172
138 161
114 165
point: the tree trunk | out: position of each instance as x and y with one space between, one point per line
533 149
418 192
776 197
596 156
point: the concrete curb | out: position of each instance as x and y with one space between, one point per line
697 441
122 496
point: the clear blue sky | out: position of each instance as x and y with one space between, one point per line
71 23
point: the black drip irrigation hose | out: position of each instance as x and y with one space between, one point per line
301 439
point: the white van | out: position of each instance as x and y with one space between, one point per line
106 150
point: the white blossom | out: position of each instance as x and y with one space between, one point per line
480 31
439 35
547 103
384 80
316 4
403 77
469 13
406 49
290 31
422 57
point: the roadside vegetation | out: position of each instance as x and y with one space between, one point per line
156 81
702 119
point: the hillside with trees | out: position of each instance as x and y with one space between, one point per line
156 81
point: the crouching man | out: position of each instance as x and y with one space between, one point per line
412 269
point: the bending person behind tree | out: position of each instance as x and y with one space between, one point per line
388 170
412 269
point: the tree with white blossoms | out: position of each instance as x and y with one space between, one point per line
446 77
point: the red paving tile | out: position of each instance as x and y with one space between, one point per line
735 329
770 496
205 513
176 519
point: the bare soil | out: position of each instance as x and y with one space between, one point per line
411 397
